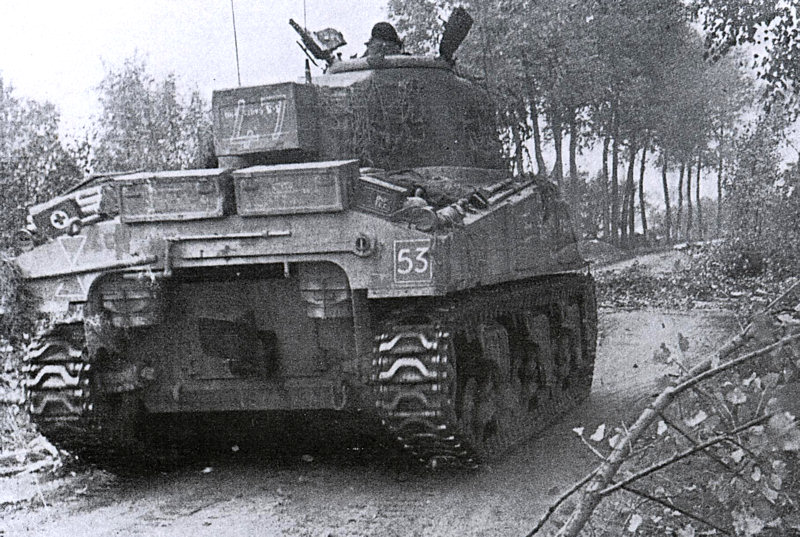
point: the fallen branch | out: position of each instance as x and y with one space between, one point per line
593 493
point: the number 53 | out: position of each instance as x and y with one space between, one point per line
412 260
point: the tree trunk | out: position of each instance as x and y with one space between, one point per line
679 223
689 201
632 198
642 208
623 214
604 179
558 167
573 168
719 185
541 168
518 148
668 216
627 196
701 234
615 182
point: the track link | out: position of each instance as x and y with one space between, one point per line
57 382
63 403
462 380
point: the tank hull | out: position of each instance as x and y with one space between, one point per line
415 285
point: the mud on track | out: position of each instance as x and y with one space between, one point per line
347 492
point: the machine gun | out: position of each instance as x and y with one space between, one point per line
319 45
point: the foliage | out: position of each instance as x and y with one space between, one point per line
772 26
146 123
698 280
16 323
34 164
763 201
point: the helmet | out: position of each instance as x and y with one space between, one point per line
385 32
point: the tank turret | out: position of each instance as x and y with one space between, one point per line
388 112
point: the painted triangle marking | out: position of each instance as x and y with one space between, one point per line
72 287
72 247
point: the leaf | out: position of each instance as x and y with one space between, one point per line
634 523
783 427
755 475
779 466
736 396
747 524
737 456
662 428
749 380
614 440
775 481
688 531
698 418
769 494
578 431
771 379
599 434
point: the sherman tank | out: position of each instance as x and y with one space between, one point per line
360 249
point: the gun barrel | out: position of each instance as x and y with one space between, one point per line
311 45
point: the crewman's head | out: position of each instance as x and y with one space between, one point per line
385 32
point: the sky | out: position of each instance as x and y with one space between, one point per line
55 50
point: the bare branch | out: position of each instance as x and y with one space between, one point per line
673 507
682 455
704 370
694 441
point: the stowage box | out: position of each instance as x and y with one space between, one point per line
174 195
264 119
313 187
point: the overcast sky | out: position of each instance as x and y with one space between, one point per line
54 50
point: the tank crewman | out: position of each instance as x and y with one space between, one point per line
384 41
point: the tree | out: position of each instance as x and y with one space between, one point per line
34 164
146 123
762 204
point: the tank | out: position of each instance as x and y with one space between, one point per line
360 251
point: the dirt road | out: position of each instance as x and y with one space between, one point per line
357 494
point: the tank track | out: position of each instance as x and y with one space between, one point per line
62 402
56 372
460 381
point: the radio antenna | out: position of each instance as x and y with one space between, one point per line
236 45
305 22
